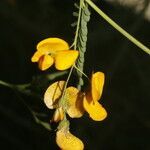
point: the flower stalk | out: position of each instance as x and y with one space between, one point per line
81 39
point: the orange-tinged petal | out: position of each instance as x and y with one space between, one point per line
95 110
65 59
67 141
97 83
74 99
52 45
38 54
58 115
53 93
45 62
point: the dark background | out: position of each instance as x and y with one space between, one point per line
126 94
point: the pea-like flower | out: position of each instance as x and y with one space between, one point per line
67 141
93 95
54 51
71 102
75 101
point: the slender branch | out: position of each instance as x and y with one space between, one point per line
6 84
21 87
13 86
82 41
69 75
118 28
80 71
78 25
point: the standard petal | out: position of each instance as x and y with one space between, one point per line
95 110
97 83
53 93
45 62
52 45
65 59
67 141
74 99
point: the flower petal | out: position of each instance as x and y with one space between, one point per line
74 100
45 62
53 93
67 141
37 55
58 115
95 110
97 83
65 59
52 45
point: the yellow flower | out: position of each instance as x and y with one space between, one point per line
53 94
72 101
54 51
90 101
67 141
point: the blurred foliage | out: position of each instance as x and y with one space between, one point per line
126 93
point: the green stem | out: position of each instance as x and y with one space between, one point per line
118 28
69 75
80 71
78 25
6 84
21 87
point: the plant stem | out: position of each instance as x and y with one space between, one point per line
69 75
6 84
78 25
21 87
118 28
80 71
